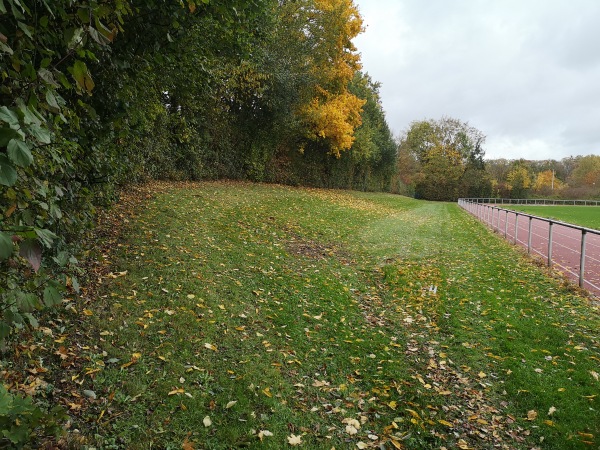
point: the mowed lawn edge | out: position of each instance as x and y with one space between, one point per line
262 316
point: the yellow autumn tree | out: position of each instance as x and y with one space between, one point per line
546 183
333 113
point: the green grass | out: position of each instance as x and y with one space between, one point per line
585 216
239 315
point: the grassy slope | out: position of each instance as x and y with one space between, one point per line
309 308
585 216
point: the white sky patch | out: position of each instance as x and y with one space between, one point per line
526 73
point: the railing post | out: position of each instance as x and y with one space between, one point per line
506 225
529 237
516 228
550 244
582 259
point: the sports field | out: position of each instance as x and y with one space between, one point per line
585 216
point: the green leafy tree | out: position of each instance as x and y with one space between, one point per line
449 156
519 180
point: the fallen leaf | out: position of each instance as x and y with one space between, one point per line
294 440
414 414
230 404
207 422
595 375
532 415
351 430
264 433
210 347
187 445
552 410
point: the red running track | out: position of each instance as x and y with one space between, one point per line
566 241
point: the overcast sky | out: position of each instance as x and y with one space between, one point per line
524 72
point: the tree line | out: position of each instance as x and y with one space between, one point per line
444 160
98 94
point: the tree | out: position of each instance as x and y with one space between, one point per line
449 154
586 172
546 183
333 112
519 180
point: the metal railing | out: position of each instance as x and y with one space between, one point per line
531 201
574 249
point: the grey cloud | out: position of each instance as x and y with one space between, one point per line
524 72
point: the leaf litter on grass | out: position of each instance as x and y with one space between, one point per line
310 333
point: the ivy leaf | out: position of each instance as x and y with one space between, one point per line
6 246
8 174
46 236
51 100
48 77
6 135
41 134
31 250
25 29
4 332
6 49
19 153
51 296
82 76
32 320
8 116
27 303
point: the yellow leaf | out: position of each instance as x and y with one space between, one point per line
207 422
414 414
294 440
549 423
176 391
396 444
88 312
585 435
267 392
532 415
393 405
230 404
482 375
210 347
462 444
445 422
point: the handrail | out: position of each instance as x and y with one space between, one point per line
533 201
491 215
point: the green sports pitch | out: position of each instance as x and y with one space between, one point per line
585 216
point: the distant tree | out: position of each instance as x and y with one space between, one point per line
519 181
547 184
449 156
586 172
